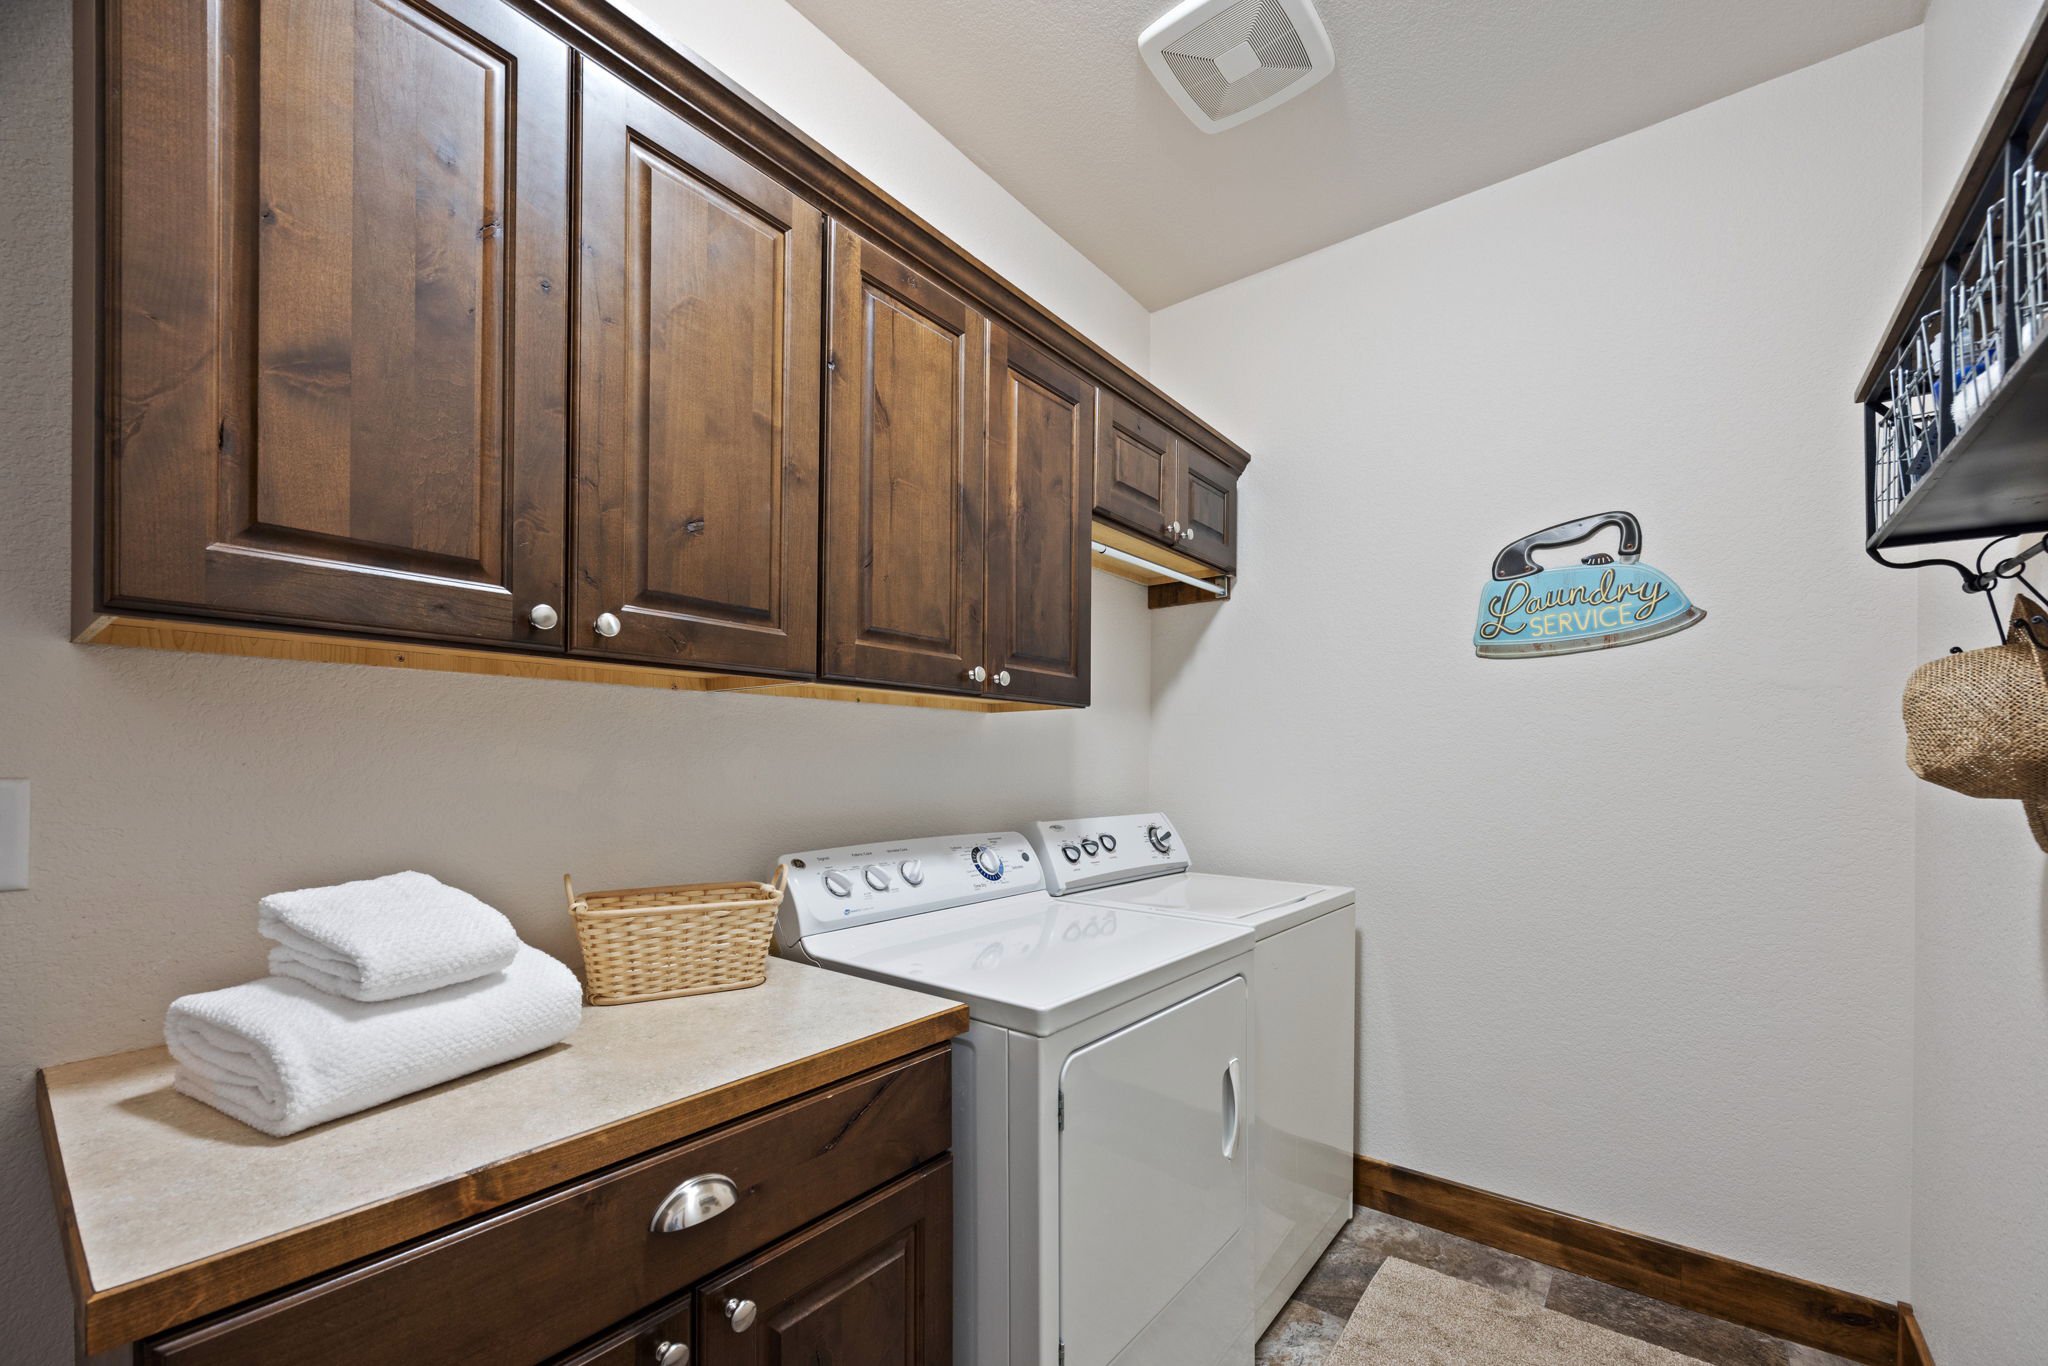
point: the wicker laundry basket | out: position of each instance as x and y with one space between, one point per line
646 943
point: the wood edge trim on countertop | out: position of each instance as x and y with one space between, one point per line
770 140
1913 1348
2019 83
67 1218
1838 1321
121 1314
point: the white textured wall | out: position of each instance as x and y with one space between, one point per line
1636 926
792 67
171 791
1980 1201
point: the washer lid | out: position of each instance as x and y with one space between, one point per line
1030 962
1264 906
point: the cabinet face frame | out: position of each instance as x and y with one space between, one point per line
1041 459
239 351
726 574
906 415
883 1264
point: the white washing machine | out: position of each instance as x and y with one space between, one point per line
1101 1122
1304 1079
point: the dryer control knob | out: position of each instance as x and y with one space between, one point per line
837 884
1108 843
988 862
1161 837
1089 846
1072 851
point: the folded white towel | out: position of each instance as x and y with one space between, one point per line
384 937
281 1056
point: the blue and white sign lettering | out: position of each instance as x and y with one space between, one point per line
1601 602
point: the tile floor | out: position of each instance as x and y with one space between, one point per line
1316 1315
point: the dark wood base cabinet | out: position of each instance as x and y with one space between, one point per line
835 1246
497 325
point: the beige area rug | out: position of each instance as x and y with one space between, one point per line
1412 1316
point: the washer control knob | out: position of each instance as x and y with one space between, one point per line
837 884
988 862
1161 837
877 876
1089 846
913 871
1108 843
1072 851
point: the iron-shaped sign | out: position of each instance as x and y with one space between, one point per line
1599 603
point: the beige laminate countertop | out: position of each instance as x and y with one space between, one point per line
172 1210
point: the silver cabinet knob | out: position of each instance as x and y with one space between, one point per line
671 1354
1187 533
690 1204
1173 531
1002 678
740 1314
543 617
607 625
977 674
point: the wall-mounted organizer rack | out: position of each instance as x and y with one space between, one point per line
1955 401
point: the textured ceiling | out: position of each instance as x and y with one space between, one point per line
1431 99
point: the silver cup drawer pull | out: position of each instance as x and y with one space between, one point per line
698 1199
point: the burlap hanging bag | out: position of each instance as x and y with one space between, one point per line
1977 722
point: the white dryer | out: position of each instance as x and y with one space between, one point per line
1303 1086
1102 1195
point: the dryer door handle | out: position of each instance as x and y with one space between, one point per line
1233 1107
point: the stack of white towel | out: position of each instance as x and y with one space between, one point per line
382 988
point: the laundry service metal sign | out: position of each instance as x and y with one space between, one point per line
1599 603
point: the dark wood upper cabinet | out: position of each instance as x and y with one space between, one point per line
336 313
492 335
1134 482
1207 505
698 388
1041 477
1167 488
905 475
872 1286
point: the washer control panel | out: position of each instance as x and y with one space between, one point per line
830 889
1101 851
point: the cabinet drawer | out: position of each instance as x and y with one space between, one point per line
534 1280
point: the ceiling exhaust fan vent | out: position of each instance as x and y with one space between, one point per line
1225 61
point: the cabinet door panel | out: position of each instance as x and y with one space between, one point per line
1041 447
904 555
1134 468
338 321
1207 506
871 1286
699 394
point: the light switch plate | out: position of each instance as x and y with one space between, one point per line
13 834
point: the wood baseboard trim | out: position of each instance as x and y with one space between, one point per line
1849 1325
1913 1349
